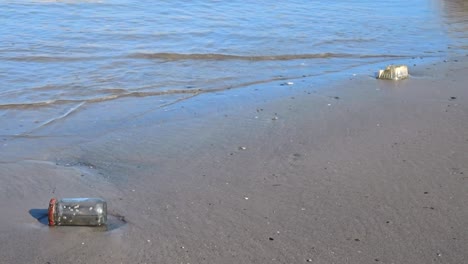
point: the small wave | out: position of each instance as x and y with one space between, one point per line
46 58
344 40
64 115
118 93
201 56
216 56
48 103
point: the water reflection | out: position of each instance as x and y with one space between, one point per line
455 13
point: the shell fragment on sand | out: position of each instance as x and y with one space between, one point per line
394 72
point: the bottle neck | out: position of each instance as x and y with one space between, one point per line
52 210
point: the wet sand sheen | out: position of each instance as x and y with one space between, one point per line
368 171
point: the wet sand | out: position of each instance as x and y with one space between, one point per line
366 171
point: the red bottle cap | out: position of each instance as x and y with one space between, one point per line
52 204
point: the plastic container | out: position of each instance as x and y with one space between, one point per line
77 212
394 72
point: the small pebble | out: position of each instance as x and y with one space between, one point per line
246 198
275 118
242 148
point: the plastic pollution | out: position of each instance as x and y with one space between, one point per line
77 211
394 72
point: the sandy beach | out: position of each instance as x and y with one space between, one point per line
363 171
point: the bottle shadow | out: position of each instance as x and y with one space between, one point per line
41 215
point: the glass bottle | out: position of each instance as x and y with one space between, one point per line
77 211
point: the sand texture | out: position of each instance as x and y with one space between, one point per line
365 171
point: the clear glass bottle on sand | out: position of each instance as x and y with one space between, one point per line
77 211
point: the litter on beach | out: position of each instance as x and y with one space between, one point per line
77 211
394 72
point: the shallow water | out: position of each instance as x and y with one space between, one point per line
56 56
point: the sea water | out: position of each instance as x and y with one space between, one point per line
56 56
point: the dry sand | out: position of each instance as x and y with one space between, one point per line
367 171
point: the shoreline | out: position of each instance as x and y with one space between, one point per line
364 171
